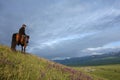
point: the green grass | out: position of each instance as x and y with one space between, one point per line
108 72
19 66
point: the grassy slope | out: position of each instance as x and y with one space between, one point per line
17 66
109 72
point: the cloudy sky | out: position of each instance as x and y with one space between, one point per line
63 28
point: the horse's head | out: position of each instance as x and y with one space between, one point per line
25 42
27 39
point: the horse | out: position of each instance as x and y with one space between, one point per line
18 39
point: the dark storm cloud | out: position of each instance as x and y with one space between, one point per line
62 28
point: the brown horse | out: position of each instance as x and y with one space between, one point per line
19 40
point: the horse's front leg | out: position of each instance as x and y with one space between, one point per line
21 48
24 49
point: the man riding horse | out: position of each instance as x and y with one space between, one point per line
20 39
21 34
22 30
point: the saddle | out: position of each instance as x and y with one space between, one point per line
20 38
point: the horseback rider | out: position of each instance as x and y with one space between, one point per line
22 30
22 33
20 38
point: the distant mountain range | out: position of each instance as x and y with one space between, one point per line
93 60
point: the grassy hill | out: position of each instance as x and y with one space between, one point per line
19 66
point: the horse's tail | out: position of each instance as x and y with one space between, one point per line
13 42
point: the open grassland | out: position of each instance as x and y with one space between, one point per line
20 66
108 72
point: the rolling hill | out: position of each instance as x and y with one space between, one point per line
94 60
20 66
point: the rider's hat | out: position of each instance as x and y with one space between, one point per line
24 25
